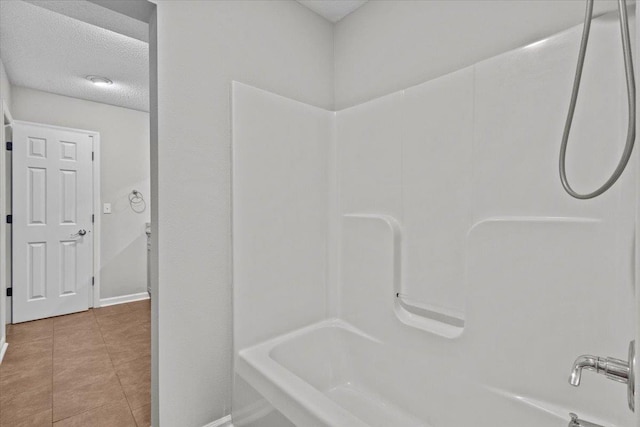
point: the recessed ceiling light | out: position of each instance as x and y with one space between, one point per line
99 81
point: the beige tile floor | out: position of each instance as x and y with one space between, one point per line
86 369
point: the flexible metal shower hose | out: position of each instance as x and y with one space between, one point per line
631 97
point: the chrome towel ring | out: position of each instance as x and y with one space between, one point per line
137 202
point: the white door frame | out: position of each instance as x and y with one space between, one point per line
637 223
94 293
7 120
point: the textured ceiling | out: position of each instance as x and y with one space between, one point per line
333 10
97 15
43 48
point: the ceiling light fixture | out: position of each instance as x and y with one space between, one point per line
99 81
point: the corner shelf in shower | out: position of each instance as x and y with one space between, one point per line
436 320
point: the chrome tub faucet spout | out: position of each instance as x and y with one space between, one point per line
612 368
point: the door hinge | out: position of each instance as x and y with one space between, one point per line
9 146
93 280
9 219
92 156
93 218
9 292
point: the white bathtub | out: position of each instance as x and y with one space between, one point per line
332 374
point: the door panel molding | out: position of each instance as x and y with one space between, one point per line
63 196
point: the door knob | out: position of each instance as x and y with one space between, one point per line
80 233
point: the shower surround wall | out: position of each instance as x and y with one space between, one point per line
414 260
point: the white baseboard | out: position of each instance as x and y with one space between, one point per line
3 348
104 302
221 422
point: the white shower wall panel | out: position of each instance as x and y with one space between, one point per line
280 200
481 143
369 137
531 296
521 104
447 194
437 143
539 277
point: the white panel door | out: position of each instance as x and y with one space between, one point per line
52 221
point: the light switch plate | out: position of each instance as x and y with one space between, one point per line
106 208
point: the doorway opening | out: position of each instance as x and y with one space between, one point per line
75 205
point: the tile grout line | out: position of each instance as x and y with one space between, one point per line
54 339
115 371
32 341
106 348
53 423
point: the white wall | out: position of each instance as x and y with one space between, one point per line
153 255
5 85
124 152
202 46
386 46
